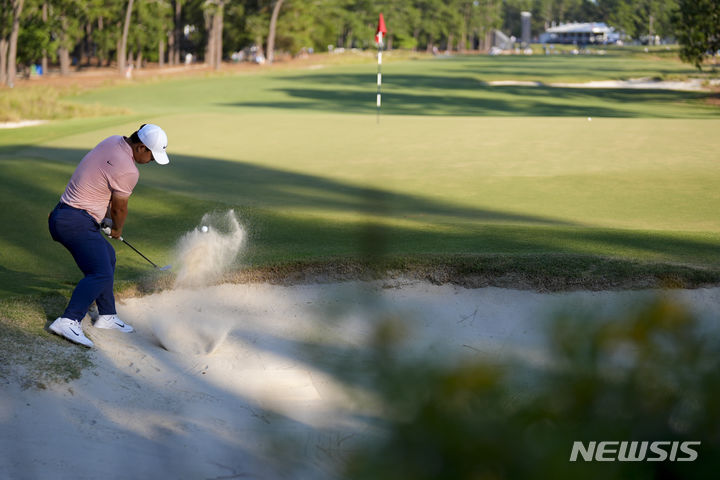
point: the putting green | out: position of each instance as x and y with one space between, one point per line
645 174
319 179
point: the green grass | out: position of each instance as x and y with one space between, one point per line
455 86
460 181
31 356
455 170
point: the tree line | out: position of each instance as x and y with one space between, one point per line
122 32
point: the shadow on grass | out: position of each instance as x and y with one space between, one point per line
351 221
469 96
539 67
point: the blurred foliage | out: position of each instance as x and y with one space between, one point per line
91 29
650 374
698 24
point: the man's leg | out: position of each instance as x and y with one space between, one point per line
105 301
95 257
94 260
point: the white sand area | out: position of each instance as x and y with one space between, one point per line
245 375
689 85
22 123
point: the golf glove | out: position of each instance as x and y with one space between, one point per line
106 226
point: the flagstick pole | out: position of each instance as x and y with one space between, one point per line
379 79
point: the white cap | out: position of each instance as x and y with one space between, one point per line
154 138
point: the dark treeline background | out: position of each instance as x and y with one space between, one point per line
122 32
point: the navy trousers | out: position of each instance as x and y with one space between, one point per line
77 231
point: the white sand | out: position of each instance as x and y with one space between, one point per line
690 85
236 372
22 123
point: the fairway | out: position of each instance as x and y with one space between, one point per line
455 170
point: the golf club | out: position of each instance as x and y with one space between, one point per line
166 267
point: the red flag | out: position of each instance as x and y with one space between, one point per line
381 30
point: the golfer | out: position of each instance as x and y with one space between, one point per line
95 204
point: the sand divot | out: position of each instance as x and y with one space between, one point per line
186 336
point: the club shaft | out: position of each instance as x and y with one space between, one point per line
138 252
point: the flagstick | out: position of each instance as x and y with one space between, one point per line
379 34
379 81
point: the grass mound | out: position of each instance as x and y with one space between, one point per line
31 356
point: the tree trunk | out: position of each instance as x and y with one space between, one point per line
100 52
171 48
214 25
117 45
122 51
462 47
44 61
176 34
64 57
63 52
210 46
218 29
12 50
161 53
271 33
3 60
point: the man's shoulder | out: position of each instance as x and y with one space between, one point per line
116 153
113 141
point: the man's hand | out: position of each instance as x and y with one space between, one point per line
106 226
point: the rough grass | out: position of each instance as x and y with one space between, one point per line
541 273
30 356
48 103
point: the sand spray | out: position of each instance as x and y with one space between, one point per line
203 255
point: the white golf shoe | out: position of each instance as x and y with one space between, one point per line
112 322
70 329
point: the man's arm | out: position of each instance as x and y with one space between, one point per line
118 213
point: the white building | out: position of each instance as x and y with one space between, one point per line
580 34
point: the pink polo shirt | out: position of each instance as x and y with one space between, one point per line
108 169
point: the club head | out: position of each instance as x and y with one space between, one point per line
166 267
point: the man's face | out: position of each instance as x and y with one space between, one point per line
142 154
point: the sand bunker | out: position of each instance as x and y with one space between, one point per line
690 85
247 374
22 123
